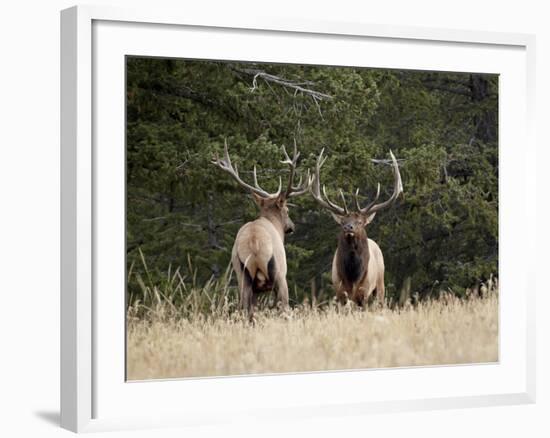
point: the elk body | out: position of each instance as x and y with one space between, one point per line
258 256
358 263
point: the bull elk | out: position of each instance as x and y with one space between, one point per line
258 256
358 263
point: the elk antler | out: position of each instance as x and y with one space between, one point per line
300 189
316 189
225 164
397 190
371 208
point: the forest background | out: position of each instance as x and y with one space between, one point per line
183 212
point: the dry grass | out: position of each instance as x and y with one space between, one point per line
163 344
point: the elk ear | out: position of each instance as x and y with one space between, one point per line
258 199
369 218
337 218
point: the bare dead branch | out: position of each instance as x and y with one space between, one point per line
388 162
297 86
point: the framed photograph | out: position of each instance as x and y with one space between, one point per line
281 218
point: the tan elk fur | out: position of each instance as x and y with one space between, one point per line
369 280
358 263
258 256
259 243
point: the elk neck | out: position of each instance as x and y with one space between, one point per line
353 257
276 220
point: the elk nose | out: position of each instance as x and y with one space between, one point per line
348 228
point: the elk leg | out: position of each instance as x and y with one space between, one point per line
360 299
253 301
380 293
282 292
342 297
246 292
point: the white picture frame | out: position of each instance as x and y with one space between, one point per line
94 394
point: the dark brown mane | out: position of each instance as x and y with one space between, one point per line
353 259
355 254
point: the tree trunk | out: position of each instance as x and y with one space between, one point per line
485 123
211 228
405 294
313 292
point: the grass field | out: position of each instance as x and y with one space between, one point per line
164 344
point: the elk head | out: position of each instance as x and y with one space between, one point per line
353 223
273 206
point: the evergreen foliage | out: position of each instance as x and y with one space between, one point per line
443 233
